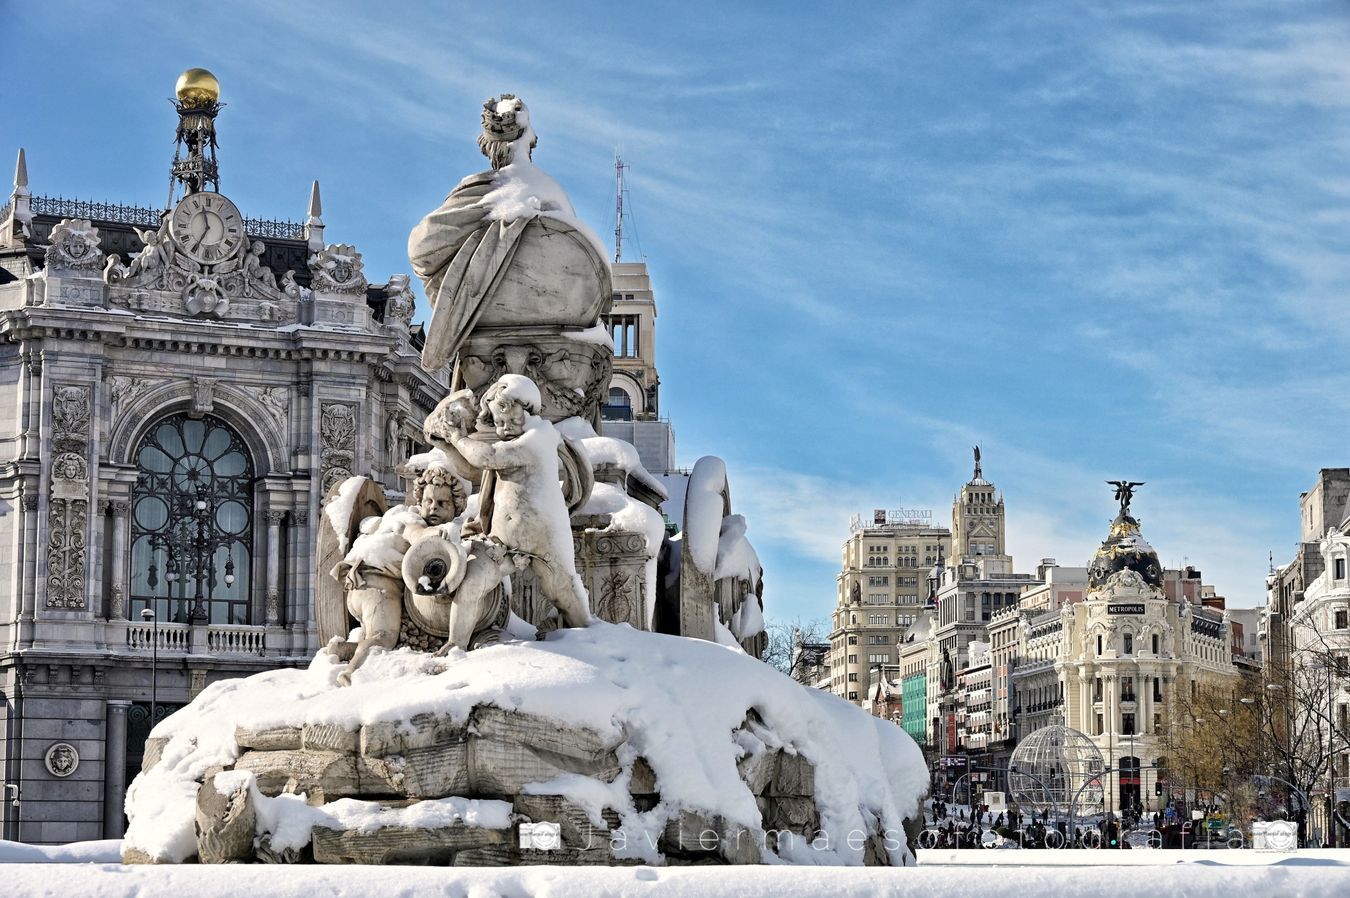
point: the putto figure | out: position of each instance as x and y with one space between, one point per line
521 502
372 573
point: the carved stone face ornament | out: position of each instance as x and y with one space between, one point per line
438 504
62 759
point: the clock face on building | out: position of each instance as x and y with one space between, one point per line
207 227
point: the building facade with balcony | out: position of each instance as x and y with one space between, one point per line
181 387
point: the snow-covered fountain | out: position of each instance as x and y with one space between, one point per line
520 664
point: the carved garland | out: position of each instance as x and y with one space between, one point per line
337 433
68 510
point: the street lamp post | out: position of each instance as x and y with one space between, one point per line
148 615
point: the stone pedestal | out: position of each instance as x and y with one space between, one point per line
572 374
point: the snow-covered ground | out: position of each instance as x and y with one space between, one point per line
108 851
1289 877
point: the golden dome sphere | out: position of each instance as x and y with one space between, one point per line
197 87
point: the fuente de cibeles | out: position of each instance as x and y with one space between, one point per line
485 695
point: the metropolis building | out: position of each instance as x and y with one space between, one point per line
178 389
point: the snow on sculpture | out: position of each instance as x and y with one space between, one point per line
413 560
521 503
447 719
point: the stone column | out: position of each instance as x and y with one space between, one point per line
274 567
114 768
1085 711
121 510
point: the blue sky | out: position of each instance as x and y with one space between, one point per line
1100 240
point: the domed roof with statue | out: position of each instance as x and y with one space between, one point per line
1125 547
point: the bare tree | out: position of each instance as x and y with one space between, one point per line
789 646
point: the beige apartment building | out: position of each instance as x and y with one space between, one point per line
882 588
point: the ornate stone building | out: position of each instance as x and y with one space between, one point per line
182 386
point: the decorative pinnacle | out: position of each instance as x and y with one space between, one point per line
315 204
21 171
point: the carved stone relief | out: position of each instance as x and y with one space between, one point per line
67 520
276 400
162 278
74 248
61 759
124 389
337 269
400 303
337 435
573 376
273 604
68 509
203 395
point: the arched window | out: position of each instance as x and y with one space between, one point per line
192 522
618 406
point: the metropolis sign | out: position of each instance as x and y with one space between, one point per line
1125 608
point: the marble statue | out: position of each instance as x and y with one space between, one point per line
411 560
516 282
459 251
522 505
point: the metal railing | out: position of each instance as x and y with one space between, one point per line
151 217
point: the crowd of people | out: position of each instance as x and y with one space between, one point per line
957 826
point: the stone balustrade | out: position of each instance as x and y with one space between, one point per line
171 638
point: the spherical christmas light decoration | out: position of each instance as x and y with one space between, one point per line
1053 768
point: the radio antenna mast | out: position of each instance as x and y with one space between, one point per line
618 207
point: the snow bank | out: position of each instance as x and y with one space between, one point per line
674 701
1203 877
107 851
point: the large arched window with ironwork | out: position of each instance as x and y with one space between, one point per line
192 522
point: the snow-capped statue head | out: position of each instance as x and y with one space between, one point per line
441 495
508 403
506 130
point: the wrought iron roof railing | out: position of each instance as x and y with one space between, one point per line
150 217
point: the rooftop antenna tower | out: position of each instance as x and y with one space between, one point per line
618 207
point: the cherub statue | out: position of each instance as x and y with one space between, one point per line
157 255
521 502
410 560
373 570
254 269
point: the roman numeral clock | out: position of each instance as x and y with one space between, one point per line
207 227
